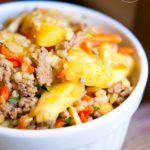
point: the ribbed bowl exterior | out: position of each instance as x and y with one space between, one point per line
112 141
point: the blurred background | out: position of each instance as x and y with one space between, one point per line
134 14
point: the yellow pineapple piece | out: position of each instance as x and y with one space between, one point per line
105 108
87 69
59 97
42 28
49 35
120 65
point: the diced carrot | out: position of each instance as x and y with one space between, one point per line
88 110
30 33
86 98
16 59
85 113
15 64
21 124
91 90
1 99
4 92
28 68
125 50
82 117
78 28
97 39
86 46
50 48
61 74
59 123
5 51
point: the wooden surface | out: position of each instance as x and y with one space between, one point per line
138 137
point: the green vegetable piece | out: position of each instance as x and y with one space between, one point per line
96 108
13 100
45 88
67 120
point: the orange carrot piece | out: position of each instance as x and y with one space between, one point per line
59 123
97 39
85 113
4 92
50 48
125 50
86 46
16 59
21 124
86 98
1 99
78 28
5 51
82 117
61 74
15 64
30 68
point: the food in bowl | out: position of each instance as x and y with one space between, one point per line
57 72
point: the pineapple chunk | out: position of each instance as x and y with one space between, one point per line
105 108
57 100
87 69
43 29
49 35
121 65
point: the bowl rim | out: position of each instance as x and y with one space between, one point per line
106 118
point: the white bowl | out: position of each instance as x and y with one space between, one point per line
107 132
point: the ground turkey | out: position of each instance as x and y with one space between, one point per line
25 88
121 91
26 103
5 71
8 111
43 70
15 110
